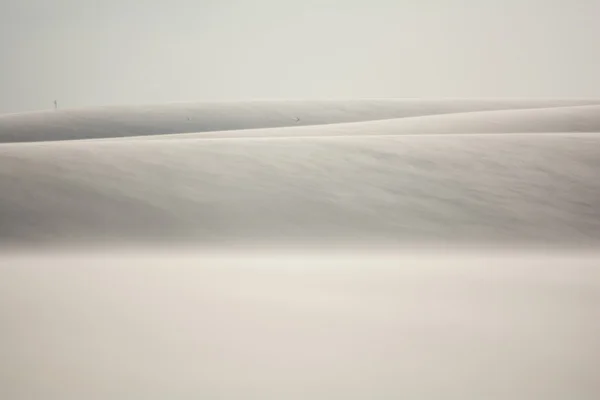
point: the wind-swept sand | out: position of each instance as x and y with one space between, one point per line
377 181
193 312
206 117
576 119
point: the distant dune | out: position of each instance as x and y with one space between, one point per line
225 116
575 119
358 171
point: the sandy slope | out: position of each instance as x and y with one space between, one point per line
206 117
542 120
374 180
458 188
231 323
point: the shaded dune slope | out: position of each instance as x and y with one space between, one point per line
361 172
542 120
455 188
110 122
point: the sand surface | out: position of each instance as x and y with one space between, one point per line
343 249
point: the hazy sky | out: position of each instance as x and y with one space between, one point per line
102 52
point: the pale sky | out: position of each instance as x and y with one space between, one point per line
109 52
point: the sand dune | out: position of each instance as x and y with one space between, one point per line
206 117
536 188
234 291
540 120
375 181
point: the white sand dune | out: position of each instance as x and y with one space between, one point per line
371 181
515 188
295 324
205 117
538 120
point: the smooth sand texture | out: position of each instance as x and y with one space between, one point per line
186 314
368 181
576 119
205 117
296 326
517 189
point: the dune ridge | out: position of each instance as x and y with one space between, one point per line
381 171
580 119
107 122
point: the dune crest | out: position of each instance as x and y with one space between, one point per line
370 171
109 122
